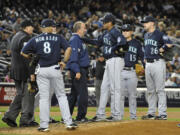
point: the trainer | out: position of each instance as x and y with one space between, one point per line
78 65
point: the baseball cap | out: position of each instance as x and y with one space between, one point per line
48 23
148 19
26 23
127 27
100 54
108 18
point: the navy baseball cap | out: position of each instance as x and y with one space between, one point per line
48 23
147 19
108 18
127 27
26 23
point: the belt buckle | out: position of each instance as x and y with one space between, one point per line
128 68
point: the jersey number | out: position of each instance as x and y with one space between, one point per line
47 48
132 57
107 50
154 51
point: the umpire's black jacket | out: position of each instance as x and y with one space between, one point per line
19 65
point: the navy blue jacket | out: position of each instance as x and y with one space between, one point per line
134 53
48 47
153 42
79 56
110 40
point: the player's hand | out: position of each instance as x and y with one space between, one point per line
62 65
32 77
78 76
161 50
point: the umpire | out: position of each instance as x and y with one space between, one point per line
19 72
78 65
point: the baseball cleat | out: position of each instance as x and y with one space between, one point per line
112 119
148 117
51 120
96 119
161 117
83 120
43 129
178 125
71 126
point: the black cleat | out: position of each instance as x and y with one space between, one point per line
72 126
9 122
43 129
112 119
96 119
178 125
148 117
51 120
161 117
83 120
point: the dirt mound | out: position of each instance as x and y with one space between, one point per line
138 127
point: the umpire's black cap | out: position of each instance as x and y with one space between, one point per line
127 27
26 23
48 23
147 19
108 18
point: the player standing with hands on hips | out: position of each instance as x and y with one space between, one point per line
128 75
48 47
155 43
111 40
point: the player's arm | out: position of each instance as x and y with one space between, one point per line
97 42
74 58
67 54
167 44
27 50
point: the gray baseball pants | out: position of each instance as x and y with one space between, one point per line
111 86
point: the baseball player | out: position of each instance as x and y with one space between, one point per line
48 46
155 42
33 88
111 40
128 75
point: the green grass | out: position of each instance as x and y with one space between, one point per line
90 109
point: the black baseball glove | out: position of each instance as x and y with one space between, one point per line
32 87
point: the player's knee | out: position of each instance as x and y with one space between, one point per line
161 92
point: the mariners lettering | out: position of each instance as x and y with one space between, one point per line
106 41
132 49
150 42
46 38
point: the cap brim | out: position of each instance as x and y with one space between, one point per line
144 21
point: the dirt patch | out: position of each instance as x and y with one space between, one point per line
125 127
138 127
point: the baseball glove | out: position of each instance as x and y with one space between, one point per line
139 70
32 87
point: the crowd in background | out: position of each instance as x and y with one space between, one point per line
65 13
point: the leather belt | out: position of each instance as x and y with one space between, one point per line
152 60
128 68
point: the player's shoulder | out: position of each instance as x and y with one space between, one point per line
136 42
115 30
75 37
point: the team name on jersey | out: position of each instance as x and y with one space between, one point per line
107 41
46 38
150 42
132 49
